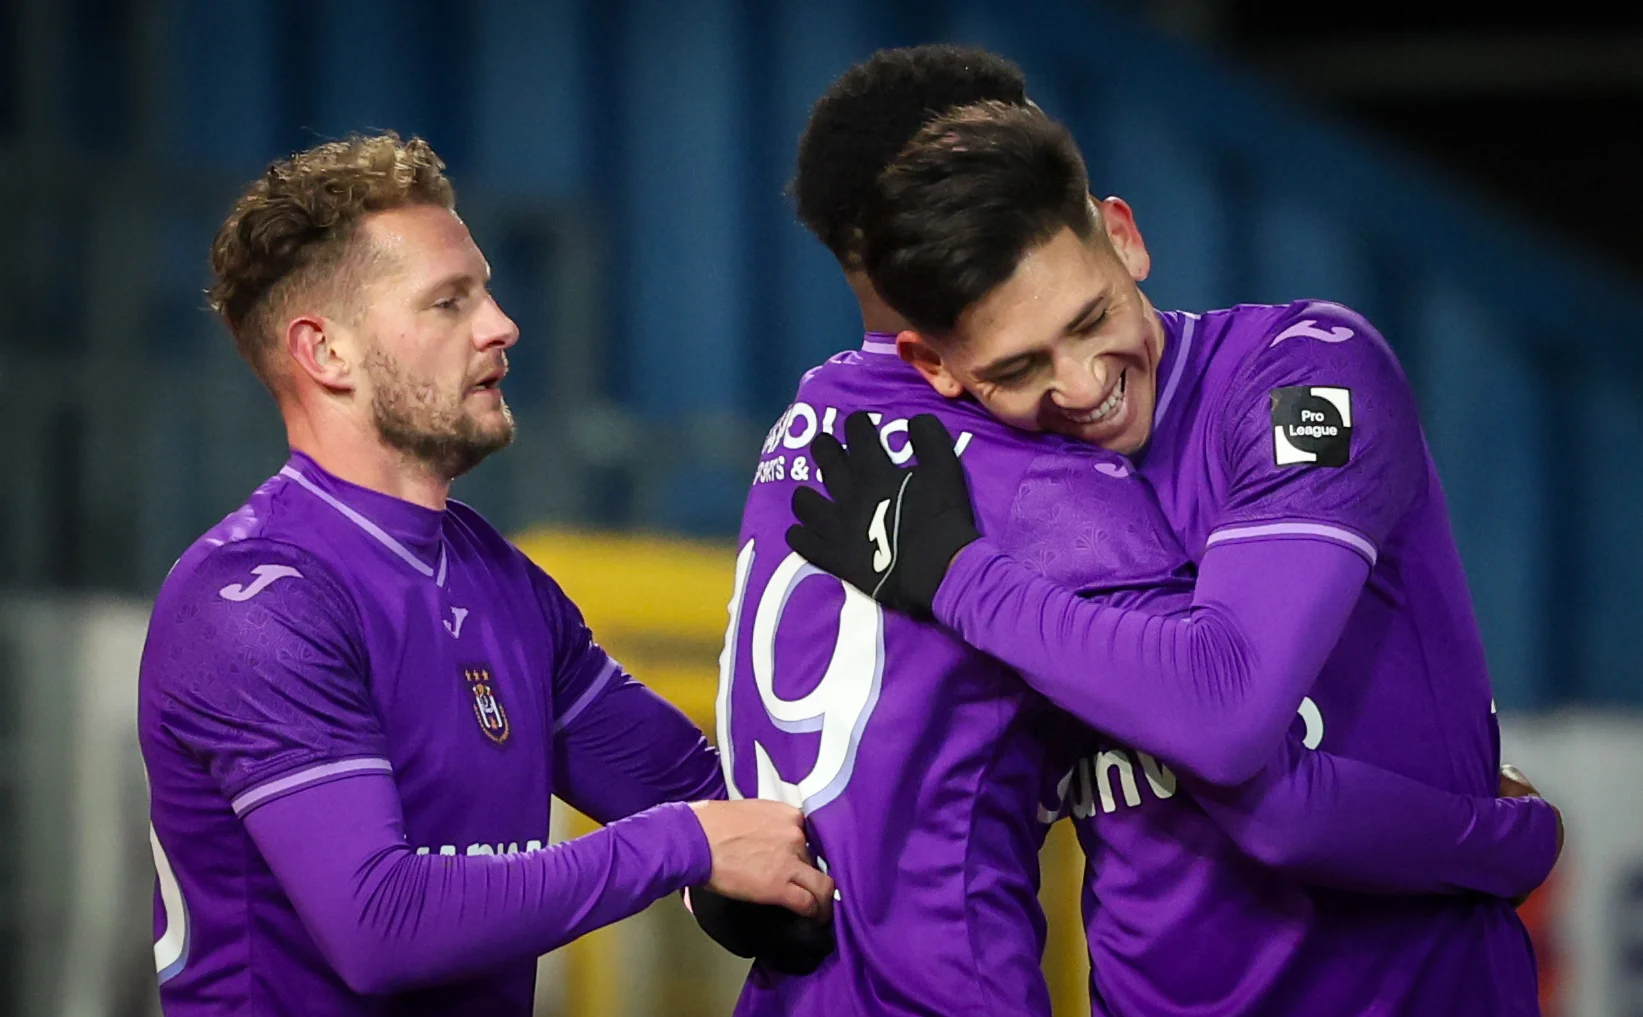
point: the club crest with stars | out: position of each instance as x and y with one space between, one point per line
493 719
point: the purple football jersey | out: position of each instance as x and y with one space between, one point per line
1178 919
920 762
1295 422
324 631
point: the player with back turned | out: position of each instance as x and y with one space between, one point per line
1286 449
357 698
915 763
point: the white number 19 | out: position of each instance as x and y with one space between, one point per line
838 706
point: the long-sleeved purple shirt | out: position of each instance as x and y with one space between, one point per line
1287 454
354 712
921 813
919 762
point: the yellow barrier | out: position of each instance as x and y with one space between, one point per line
659 605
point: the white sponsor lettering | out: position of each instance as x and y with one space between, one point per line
798 427
1107 780
902 453
771 469
801 413
472 850
1095 777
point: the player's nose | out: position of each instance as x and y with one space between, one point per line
493 328
1079 384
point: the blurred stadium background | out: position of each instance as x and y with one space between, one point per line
1470 183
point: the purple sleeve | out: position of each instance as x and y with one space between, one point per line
618 747
268 688
388 919
628 750
1212 691
581 668
1319 435
1347 824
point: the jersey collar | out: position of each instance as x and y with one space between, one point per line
1180 327
880 343
413 534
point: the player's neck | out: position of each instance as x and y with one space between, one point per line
1160 334
876 315
363 460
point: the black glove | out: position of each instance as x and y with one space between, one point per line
782 941
889 532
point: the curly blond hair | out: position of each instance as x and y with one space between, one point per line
293 228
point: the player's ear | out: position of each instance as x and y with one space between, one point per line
927 360
319 351
1118 222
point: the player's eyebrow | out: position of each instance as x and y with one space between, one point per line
1006 366
1085 313
465 281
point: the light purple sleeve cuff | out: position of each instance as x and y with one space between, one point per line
595 689
306 777
1295 529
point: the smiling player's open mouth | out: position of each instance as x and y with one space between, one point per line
1107 410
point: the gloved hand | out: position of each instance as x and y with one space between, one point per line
888 531
781 940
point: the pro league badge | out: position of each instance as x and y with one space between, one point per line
1312 425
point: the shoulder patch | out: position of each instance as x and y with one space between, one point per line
1311 425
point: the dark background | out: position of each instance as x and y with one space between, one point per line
1537 106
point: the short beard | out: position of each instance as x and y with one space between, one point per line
409 418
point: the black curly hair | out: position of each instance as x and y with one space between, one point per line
870 114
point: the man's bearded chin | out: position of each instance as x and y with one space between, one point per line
448 441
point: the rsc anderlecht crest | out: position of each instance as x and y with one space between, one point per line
493 720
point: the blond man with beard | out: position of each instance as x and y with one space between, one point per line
357 698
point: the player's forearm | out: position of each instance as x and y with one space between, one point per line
1213 691
389 919
1347 824
629 750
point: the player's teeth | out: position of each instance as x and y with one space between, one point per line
1103 411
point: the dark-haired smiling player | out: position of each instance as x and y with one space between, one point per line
1286 451
917 771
